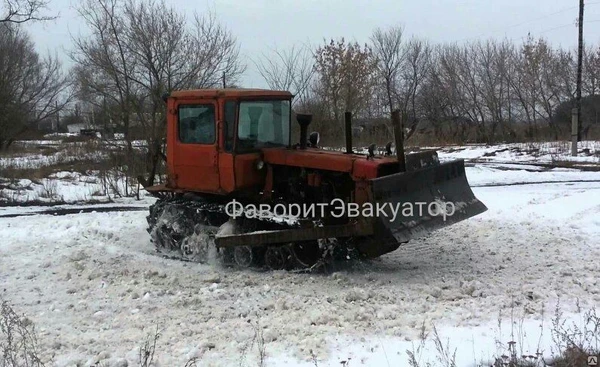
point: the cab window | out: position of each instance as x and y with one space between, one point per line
263 124
197 124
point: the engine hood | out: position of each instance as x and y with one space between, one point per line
357 165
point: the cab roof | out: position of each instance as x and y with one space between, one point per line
230 92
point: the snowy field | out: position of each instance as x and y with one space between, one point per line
95 290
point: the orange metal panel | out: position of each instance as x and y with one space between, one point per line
246 174
309 158
226 172
362 192
364 169
357 165
230 92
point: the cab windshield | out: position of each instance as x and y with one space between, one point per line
263 124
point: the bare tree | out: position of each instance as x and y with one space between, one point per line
591 64
291 70
346 76
546 81
417 66
445 98
21 11
390 55
218 55
32 87
140 50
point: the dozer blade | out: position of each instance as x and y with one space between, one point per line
411 194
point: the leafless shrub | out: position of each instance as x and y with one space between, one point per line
576 342
18 339
259 340
49 189
414 355
193 362
313 358
444 357
147 350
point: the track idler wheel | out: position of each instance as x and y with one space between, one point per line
243 256
277 257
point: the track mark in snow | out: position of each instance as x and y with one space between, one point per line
534 183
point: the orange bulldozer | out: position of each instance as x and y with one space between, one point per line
240 191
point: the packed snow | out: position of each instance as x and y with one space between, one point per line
95 288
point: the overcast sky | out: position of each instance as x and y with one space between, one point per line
263 24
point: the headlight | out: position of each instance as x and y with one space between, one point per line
260 164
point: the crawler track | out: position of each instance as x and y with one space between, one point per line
185 229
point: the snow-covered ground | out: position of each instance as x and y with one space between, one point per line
66 187
518 153
53 171
95 289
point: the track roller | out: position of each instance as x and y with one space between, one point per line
243 256
277 257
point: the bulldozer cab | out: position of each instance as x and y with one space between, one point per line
215 137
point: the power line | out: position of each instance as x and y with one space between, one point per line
554 28
540 18
503 29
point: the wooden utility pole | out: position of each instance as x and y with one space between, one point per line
579 69
576 114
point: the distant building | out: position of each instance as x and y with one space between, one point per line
371 126
76 128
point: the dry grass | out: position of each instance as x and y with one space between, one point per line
18 340
38 173
574 343
116 167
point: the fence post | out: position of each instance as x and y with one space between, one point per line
399 137
348 131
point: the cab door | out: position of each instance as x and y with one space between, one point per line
227 126
237 170
196 159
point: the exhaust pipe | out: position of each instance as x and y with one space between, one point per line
348 131
303 120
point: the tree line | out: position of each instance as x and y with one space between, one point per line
482 91
137 50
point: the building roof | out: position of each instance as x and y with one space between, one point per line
229 92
